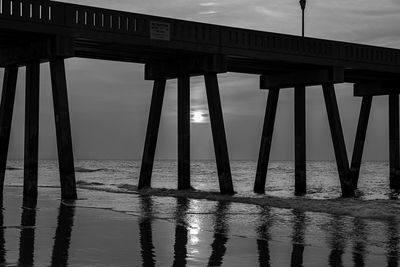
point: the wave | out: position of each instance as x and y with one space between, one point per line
13 168
128 187
81 169
84 183
368 209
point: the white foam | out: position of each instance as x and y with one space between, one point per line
373 209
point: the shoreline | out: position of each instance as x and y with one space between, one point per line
354 207
371 209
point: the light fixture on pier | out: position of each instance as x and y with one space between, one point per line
303 6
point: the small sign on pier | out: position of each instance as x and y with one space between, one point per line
159 30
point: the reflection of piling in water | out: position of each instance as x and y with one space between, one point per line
2 239
62 239
146 238
393 244
298 238
181 232
27 237
263 237
360 240
337 242
146 243
220 235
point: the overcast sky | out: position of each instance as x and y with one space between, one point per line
109 101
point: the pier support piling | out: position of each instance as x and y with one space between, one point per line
152 133
360 138
339 145
184 132
31 129
6 112
299 80
182 69
300 140
63 129
394 146
266 140
218 133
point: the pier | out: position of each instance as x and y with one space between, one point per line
37 31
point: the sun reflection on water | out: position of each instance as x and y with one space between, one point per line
194 231
194 227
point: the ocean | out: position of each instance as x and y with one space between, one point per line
220 232
322 176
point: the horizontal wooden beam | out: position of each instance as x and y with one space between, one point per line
192 66
39 50
302 78
362 76
376 88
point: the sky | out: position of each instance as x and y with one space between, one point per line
109 101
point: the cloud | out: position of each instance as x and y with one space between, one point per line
209 4
268 12
210 12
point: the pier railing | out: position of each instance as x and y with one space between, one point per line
138 24
38 11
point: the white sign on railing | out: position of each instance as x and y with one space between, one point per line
159 30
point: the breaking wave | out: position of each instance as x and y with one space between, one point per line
9 168
84 183
80 169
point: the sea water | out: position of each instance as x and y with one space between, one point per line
241 234
322 176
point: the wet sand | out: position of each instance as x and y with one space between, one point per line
58 234
104 229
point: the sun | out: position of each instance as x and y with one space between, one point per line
197 117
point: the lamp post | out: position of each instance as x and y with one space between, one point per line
303 6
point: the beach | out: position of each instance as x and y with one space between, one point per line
108 229
161 154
